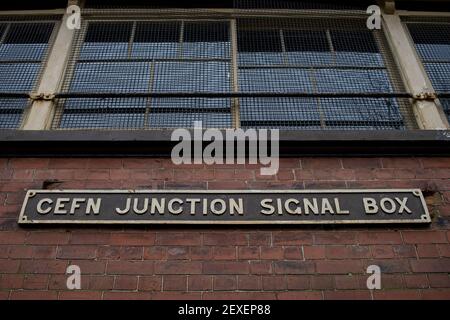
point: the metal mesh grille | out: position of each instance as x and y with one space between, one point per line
432 42
23 50
264 72
237 4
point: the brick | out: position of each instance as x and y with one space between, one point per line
130 267
382 252
322 282
436 294
396 295
227 267
293 253
401 163
274 283
35 281
124 295
435 162
175 283
178 267
200 253
126 282
259 238
379 238
239 296
415 237
68 163
151 283
338 267
353 163
11 281
29 163
76 252
9 266
427 251
389 265
345 282
248 253
33 295
347 252
44 252
272 253
217 239
224 253
335 238
133 239
48 238
259 267
175 239
292 238
416 281
439 280
404 251
347 295
431 265
298 282
294 267
131 253
225 283
300 295
314 252
176 296
249 283
21 252
90 238
12 237
80 295
200 283
100 282
155 253
90 266
178 253
321 163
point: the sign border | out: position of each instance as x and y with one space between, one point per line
425 218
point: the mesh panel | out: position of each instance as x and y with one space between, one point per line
432 42
264 72
238 4
23 50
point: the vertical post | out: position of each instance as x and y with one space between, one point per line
235 73
427 112
40 115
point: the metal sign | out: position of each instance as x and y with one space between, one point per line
224 207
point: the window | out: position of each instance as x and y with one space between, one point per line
320 58
151 57
23 49
432 42
255 73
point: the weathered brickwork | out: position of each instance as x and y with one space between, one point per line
217 262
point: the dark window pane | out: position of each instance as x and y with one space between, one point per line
423 33
192 77
157 40
206 40
18 77
439 74
306 40
157 32
259 41
275 80
11 111
111 77
29 33
354 41
108 32
206 32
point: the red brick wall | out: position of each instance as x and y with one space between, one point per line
225 262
